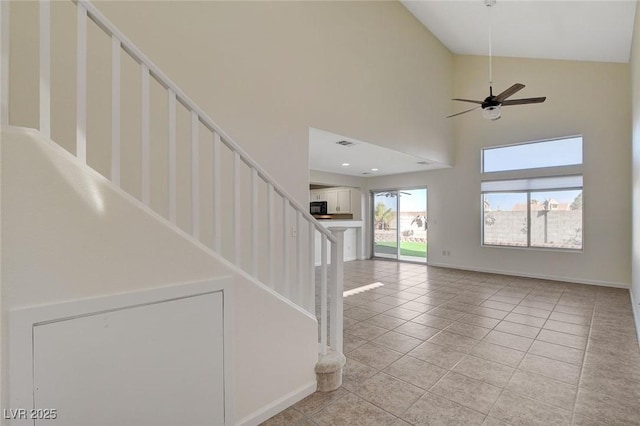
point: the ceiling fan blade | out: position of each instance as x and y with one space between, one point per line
509 92
464 112
524 101
467 100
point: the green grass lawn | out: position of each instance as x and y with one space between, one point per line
406 248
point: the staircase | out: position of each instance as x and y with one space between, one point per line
218 194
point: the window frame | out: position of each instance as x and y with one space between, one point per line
533 173
528 192
518 171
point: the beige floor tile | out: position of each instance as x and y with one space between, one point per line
585 312
353 410
359 313
508 340
571 340
454 341
288 417
542 299
468 330
365 331
385 321
607 409
498 305
506 299
416 330
543 389
617 386
497 353
417 306
389 393
392 300
397 341
537 305
607 367
565 327
402 313
434 410
558 352
490 421
351 342
355 373
484 370
432 321
318 400
348 322
551 368
525 319
518 329
436 354
533 312
573 319
468 392
479 320
489 312
375 356
374 306
416 372
518 410
447 313
579 420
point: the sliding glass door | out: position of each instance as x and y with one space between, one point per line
385 224
400 224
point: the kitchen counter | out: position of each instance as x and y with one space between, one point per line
353 239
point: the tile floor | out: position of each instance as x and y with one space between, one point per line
443 347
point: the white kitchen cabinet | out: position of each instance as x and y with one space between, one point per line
338 201
318 195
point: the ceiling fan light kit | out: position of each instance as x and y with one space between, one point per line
492 104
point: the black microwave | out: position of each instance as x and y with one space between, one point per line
318 207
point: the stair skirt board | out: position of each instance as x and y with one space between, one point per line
279 405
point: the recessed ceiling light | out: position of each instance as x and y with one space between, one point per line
345 164
374 170
423 163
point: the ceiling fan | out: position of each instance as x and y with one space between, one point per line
492 104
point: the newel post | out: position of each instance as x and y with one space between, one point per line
329 367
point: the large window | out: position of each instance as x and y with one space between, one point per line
539 212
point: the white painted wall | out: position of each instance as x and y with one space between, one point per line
585 98
68 234
635 99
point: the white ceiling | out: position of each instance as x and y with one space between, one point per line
327 156
586 30
592 30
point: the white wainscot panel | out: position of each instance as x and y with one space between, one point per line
157 363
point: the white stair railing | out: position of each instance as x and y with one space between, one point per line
300 286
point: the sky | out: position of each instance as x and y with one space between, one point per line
559 152
414 201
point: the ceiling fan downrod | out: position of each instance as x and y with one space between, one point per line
490 4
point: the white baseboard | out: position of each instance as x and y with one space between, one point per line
274 408
636 314
527 275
